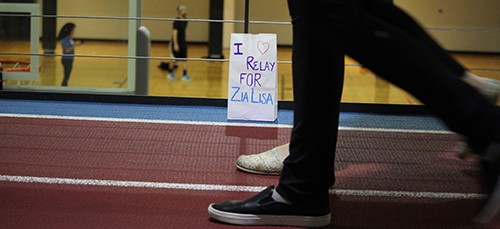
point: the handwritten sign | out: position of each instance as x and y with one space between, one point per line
252 88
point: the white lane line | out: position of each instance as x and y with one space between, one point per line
232 188
206 123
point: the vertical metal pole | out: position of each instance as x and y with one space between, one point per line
282 87
247 6
143 49
49 27
134 11
215 30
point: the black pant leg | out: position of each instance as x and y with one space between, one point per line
413 65
318 70
390 13
67 67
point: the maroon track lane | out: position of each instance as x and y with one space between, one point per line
201 154
63 206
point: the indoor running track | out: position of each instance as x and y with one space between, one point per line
60 171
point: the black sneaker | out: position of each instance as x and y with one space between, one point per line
490 162
262 209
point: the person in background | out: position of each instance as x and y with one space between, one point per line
378 36
68 49
178 44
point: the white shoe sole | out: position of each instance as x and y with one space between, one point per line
257 171
282 220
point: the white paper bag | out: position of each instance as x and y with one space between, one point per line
253 71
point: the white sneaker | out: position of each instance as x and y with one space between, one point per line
170 76
491 89
463 149
267 163
186 77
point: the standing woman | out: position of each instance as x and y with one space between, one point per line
68 50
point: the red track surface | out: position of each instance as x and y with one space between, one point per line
197 154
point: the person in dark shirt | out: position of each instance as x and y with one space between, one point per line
178 44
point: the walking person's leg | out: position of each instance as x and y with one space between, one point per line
302 198
413 65
391 53
318 70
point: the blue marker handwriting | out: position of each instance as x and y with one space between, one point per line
251 96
